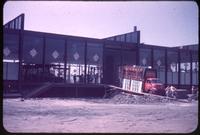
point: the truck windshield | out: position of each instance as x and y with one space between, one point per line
156 81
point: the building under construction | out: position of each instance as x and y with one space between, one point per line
31 59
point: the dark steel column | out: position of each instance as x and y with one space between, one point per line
121 55
85 60
179 68
103 59
22 22
137 54
20 51
43 57
190 52
103 64
152 58
166 67
125 35
65 60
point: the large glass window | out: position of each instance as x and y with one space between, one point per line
120 38
75 72
172 67
159 63
185 67
94 62
54 60
132 37
10 57
195 68
32 50
129 37
145 57
32 58
128 57
111 38
10 71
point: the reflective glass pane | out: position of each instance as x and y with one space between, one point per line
122 38
55 49
32 50
94 62
94 53
118 38
159 63
194 78
75 52
54 60
195 68
128 37
16 23
5 69
75 70
134 37
145 57
12 71
10 57
19 23
10 46
185 67
172 67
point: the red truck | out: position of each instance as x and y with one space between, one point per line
141 79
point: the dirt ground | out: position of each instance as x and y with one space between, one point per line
50 115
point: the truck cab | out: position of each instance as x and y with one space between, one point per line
154 86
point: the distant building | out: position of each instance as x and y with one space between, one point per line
31 57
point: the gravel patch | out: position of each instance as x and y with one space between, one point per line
120 97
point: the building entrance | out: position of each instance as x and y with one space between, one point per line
54 72
75 73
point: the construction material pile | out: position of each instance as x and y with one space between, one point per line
120 97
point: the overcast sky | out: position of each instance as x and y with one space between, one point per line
160 23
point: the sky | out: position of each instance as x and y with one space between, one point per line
165 23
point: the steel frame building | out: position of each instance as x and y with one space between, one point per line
31 58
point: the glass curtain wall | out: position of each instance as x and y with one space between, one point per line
159 63
54 60
145 57
195 68
32 59
132 37
185 67
10 61
172 67
10 57
75 70
120 38
129 37
94 73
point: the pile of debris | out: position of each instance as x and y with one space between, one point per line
119 97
